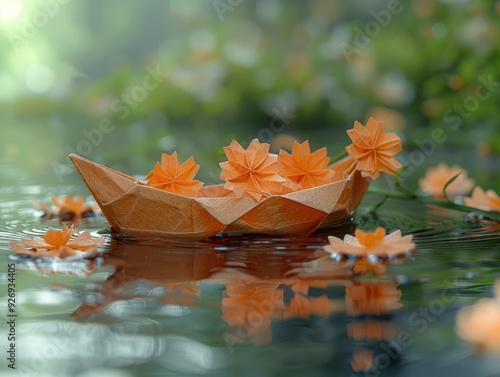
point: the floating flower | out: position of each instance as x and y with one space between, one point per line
371 243
436 178
303 169
68 208
58 244
485 201
373 149
172 177
372 297
479 325
252 172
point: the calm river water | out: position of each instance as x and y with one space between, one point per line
243 306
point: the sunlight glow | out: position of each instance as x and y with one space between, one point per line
10 9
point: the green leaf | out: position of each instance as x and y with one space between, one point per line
449 182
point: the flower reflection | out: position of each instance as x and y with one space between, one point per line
84 267
302 305
364 266
368 301
249 310
182 293
260 289
362 359
372 297
376 330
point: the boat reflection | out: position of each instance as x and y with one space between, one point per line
248 290
257 286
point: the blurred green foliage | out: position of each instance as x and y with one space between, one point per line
240 69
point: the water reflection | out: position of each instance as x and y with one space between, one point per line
245 295
266 305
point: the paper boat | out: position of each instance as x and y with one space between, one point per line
137 210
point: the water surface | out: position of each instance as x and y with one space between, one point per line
244 306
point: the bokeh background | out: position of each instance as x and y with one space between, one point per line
121 81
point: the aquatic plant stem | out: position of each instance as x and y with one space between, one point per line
428 200
338 156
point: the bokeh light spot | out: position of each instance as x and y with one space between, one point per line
39 78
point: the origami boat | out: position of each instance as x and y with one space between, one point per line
137 210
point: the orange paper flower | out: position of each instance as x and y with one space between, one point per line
172 177
344 168
303 169
373 149
58 244
485 201
68 208
371 243
479 325
252 172
435 179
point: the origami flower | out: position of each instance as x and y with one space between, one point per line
343 168
371 243
365 265
57 244
172 177
479 324
485 201
436 178
68 208
303 169
252 172
373 149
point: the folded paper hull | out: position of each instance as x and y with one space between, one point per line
137 210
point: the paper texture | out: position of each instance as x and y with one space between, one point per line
137 210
